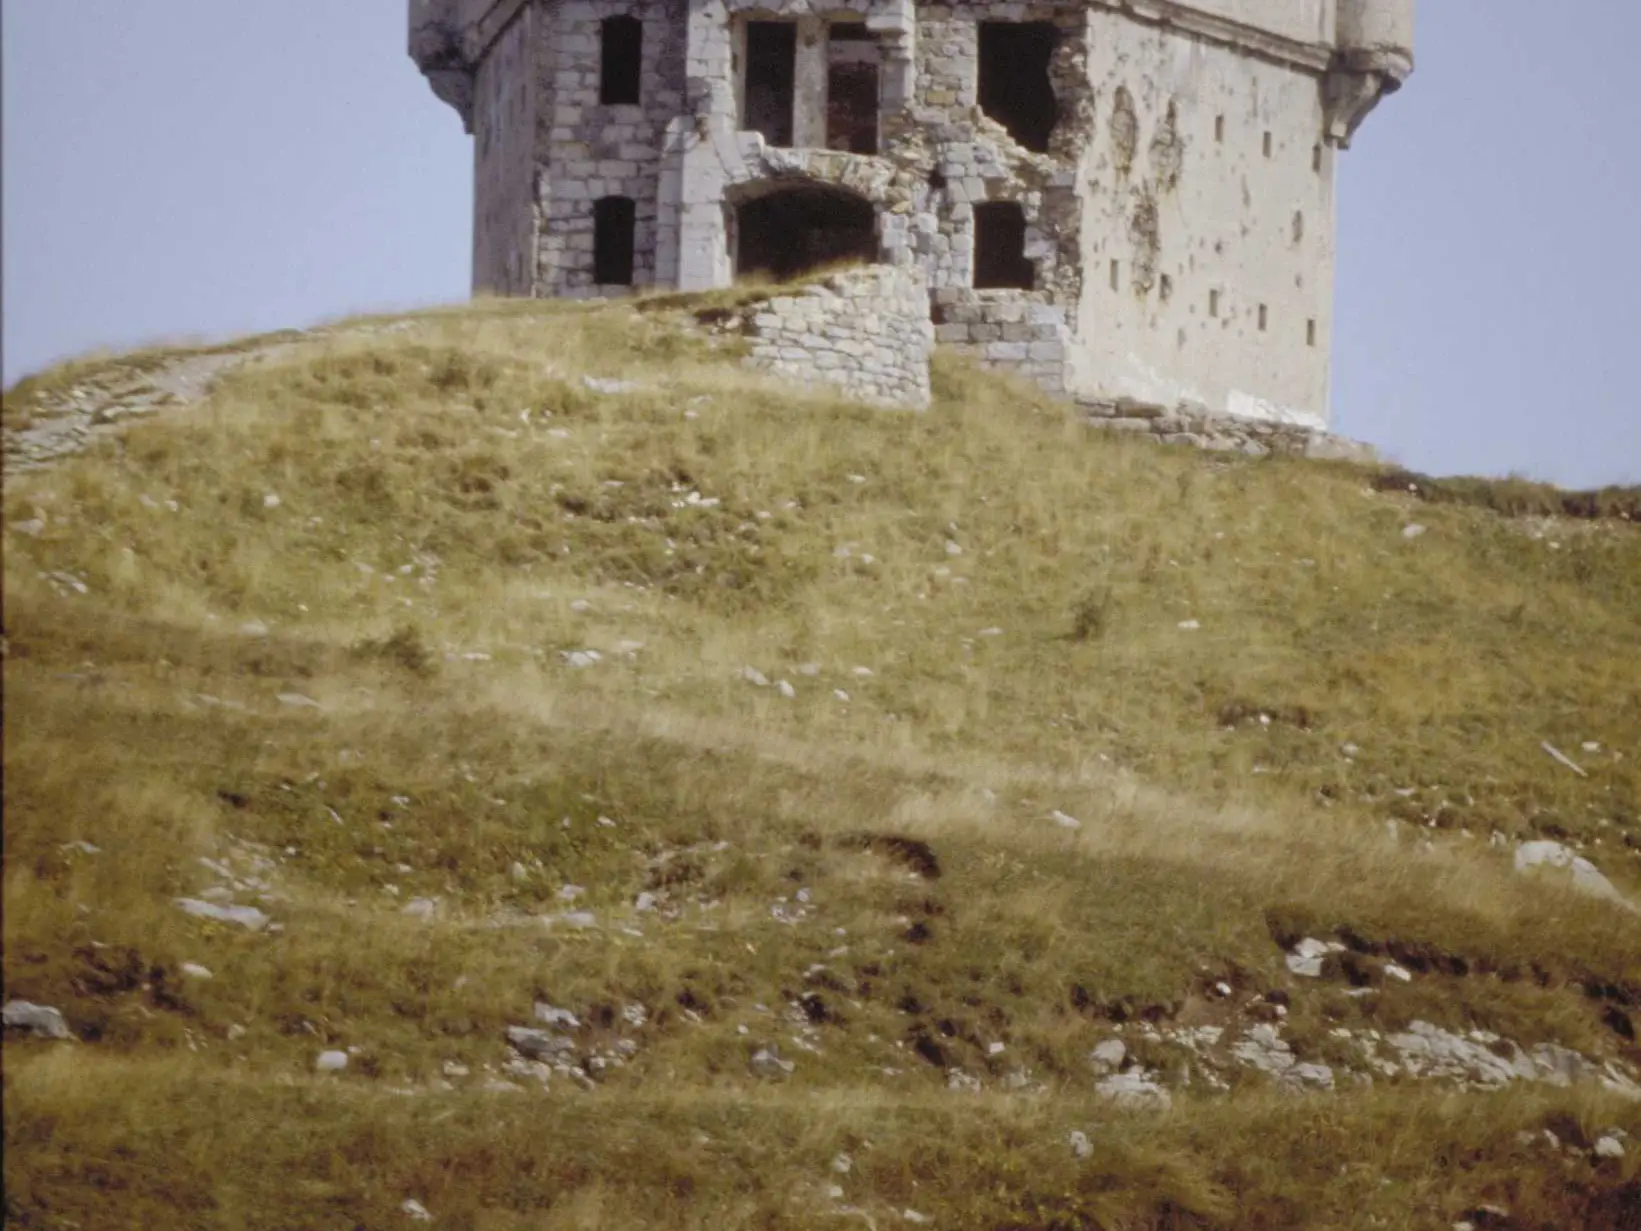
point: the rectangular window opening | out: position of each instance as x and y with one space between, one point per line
771 77
621 57
1316 159
1310 333
1000 247
1267 145
614 221
1116 279
851 88
1014 86
1166 288
1219 128
1264 317
1213 303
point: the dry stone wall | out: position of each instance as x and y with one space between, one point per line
865 331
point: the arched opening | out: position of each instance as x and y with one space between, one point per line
1000 247
791 231
614 221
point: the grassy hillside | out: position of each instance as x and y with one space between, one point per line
848 775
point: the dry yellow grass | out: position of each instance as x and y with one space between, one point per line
411 527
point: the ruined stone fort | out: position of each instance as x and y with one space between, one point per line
1128 201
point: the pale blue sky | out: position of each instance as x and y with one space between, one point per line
210 167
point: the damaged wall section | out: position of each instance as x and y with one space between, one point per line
865 331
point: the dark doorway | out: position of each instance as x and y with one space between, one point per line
621 58
771 70
614 219
1014 84
1000 246
794 230
851 89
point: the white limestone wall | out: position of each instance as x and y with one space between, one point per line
1307 21
504 143
1204 229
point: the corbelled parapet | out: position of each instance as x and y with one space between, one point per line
1374 42
438 44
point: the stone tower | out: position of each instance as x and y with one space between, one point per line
1123 199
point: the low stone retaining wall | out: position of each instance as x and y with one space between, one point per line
866 331
1013 331
1186 425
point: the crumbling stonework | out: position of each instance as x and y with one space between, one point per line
865 331
1121 199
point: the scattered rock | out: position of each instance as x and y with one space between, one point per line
1107 1057
957 1079
1136 1089
606 385
1609 1146
420 908
248 917
581 658
297 701
1562 758
1586 878
535 1044
1064 821
755 677
786 690
195 971
331 1061
253 628
1190 626
1412 530
766 1062
415 1210
1081 1146
42 1021
1309 954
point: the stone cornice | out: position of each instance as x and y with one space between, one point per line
1226 31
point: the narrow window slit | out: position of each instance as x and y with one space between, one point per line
1264 317
1310 332
1213 303
1267 145
614 221
621 58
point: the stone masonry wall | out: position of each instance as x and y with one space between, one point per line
865 330
591 149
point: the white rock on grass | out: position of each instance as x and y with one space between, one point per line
1107 1057
1064 821
1136 1089
415 1210
420 908
1081 1146
1308 955
755 677
195 971
767 1063
580 659
1412 530
297 701
42 1021
248 917
331 1061
786 690
1586 878
1609 1146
